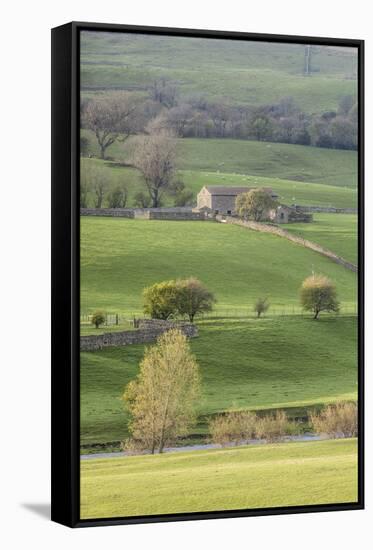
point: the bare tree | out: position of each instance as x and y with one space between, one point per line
164 91
111 116
155 157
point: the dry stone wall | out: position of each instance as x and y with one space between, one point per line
274 230
326 209
148 331
173 214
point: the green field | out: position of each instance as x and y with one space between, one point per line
285 359
290 474
274 160
289 192
338 232
333 167
245 362
248 364
119 257
248 73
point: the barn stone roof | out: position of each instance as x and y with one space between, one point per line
232 191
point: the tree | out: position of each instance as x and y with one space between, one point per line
317 294
84 182
160 300
193 298
261 306
345 104
161 399
98 318
118 196
100 183
254 204
155 157
261 127
83 195
111 116
93 179
84 146
142 200
184 198
164 91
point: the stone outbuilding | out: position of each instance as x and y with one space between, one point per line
219 199
288 214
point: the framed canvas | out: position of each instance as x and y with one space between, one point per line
207 277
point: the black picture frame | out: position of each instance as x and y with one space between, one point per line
65 272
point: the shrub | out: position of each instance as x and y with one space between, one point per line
261 306
118 197
273 427
98 318
232 427
339 420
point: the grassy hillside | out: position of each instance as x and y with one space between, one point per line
275 160
290 192
338 232
257 158
244 362
247 477
120 257
247 363
240 72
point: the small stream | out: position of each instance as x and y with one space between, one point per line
202 447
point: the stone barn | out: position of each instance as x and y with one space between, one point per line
220 199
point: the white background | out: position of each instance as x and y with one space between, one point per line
25 272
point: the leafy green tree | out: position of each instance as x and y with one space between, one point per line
262 127
317 294
142 200
160 300
84 146
98 318
118 197
254 204
193 298
161 399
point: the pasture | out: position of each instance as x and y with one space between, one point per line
244 363
338 232
248 73
120 257
289 474
337 168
